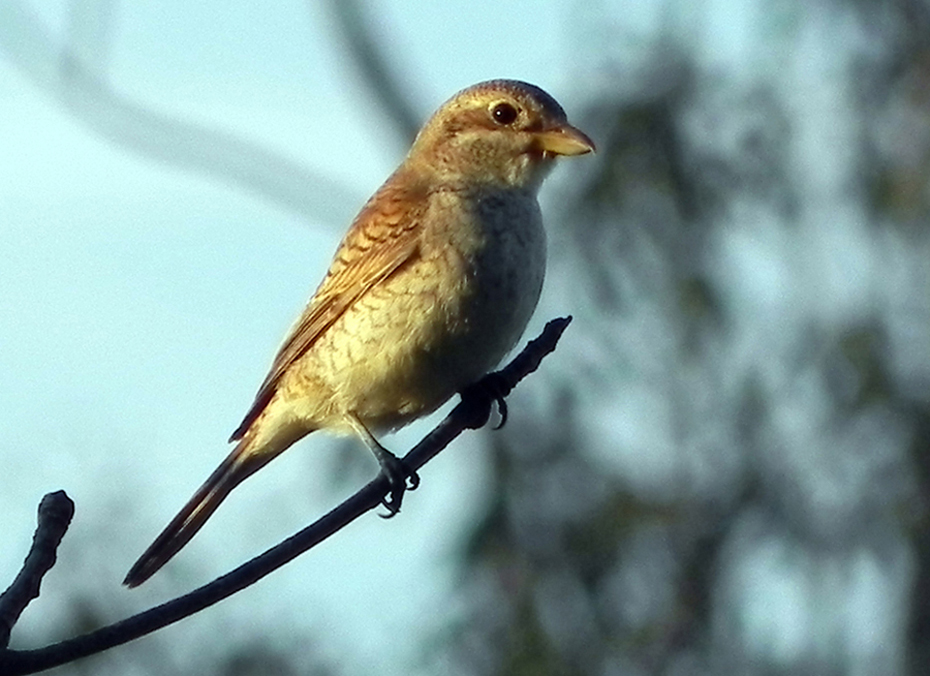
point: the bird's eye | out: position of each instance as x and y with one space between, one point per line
504 113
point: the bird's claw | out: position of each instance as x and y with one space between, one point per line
400 478
492 387
502 410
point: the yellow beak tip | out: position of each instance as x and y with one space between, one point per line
566 140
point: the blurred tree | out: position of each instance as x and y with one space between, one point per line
723 479
728 475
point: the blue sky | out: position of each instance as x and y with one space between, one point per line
140 305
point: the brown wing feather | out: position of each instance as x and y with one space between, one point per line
383 237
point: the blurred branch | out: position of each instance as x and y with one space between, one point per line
73 75
90 28
55 512
471 413
371 62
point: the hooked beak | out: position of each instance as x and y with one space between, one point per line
564 140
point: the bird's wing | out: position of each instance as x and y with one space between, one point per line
383 238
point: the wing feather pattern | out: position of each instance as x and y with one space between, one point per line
383 238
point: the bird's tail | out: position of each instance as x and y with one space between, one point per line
237 466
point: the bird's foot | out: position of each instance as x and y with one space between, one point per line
400 478
486 391
395 471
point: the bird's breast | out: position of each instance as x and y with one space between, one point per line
443 320
479 276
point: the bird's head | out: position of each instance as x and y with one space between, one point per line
501 132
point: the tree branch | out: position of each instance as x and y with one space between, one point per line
55 512
73 75
372 64
472 412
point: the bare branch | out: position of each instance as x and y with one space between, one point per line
55 512
65 75
371 62
472 412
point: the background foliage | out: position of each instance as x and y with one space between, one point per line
723 470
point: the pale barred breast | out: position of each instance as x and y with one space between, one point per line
440 322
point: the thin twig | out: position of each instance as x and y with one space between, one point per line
55 512
471 412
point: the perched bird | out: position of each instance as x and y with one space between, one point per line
432 285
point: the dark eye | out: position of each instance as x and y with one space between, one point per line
504 113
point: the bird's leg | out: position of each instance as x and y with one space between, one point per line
393 468
491 388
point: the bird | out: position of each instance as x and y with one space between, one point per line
432 285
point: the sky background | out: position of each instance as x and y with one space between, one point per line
142 299
140 306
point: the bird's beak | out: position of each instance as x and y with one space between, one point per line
564 140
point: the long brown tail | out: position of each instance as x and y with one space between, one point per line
237 466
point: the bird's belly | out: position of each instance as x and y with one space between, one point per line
422 335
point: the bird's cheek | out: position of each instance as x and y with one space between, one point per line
523 165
